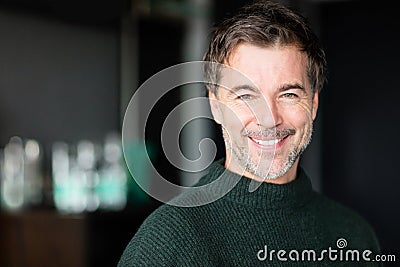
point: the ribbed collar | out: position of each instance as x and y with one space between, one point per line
267 196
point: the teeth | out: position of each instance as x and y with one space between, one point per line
267 142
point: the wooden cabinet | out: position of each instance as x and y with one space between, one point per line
46 238
43 238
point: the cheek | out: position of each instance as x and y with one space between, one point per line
236 118
300 116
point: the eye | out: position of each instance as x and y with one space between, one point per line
245 97
290 95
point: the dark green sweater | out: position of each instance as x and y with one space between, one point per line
242 228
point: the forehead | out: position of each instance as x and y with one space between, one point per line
270 66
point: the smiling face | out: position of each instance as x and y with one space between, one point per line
267 123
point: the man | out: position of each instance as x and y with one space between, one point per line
267 123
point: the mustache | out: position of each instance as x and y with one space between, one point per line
270 132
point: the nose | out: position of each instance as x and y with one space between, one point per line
267 113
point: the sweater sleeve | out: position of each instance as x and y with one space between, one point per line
166 238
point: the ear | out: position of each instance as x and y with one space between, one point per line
215 109
315 105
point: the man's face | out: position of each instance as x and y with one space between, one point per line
267 123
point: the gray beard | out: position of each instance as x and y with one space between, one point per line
244 159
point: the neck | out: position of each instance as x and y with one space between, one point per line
266 195
287 177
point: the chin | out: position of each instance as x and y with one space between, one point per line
276 172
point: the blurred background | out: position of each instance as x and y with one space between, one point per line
69 68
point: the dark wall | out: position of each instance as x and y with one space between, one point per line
361 113
59 80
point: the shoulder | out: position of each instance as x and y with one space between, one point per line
347 222
339 212
173 235
167 237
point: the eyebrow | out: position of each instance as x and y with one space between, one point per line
235 89
282 88
289 86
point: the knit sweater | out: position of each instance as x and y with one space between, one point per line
249 228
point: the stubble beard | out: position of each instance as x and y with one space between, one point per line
258 168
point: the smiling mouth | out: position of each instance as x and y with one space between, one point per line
266 142
269 139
